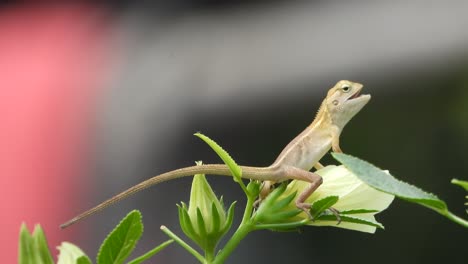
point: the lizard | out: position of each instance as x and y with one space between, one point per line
342 103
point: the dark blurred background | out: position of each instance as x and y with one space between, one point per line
95 98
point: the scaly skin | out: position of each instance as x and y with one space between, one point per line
295 161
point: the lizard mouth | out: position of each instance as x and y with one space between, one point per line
355 95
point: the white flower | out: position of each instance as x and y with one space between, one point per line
353 195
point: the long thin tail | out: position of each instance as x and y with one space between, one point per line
216 169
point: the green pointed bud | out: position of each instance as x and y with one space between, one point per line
254 187
205 220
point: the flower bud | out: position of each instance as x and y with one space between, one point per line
205 220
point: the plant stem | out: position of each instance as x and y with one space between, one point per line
284 225
240 233
456 219
183 244
150 253
244 228
248 210
209 255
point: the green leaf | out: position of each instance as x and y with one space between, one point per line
151 253
224 155
319 206
186 223
201 223
40 245
71 254
122 240
349 219
83 260
463 184
215 217
279 205
26 248
383 181
359 211
230 217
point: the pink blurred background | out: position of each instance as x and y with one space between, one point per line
53 66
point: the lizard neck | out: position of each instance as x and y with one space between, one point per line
310 146
322 119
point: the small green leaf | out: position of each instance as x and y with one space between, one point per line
359 211
40 245
70 253
463 184
319 206
122 240
201 223
187 225
349 219
26 246
215 217
279 205
151 253
229 218
83 260
224 155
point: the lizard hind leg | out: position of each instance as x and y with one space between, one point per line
315 181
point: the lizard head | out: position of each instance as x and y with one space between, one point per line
344 101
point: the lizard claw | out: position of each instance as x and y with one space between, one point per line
336 213
257 203
306 209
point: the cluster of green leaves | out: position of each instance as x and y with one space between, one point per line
115 249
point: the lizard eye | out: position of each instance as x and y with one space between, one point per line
345 88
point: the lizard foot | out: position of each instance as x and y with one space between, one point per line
306 209
257 202
336 213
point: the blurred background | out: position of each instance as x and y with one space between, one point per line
95 98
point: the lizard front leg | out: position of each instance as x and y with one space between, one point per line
335 134
318 166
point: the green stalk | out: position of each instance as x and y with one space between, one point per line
245 227
209 255
183 244
232 244
456 219
150 253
